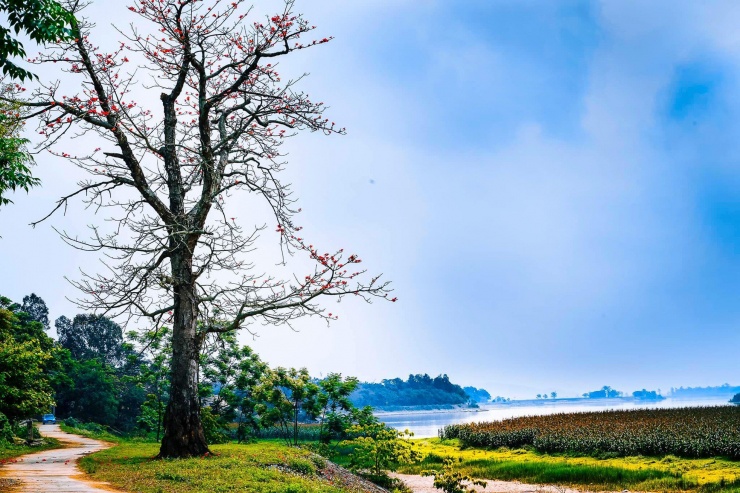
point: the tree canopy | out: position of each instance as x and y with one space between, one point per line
90 336
36 309
15 160
26 357
44 21
417 390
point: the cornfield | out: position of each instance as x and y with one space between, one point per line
685 432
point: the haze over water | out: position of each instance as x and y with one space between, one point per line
425 424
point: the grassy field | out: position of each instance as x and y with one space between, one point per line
267 466
263 467
636 473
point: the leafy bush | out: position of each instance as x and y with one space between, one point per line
213 430
92 427
302 466
378 448
318 461
20 429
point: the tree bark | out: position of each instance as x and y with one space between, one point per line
183 430
295 426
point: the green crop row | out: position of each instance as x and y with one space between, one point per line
684 432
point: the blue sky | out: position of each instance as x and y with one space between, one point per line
556 194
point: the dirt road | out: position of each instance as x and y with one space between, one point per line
425 484
54 471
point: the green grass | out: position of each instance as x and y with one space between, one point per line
635 473
97 433
262 467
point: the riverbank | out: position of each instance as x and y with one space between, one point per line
635 473
422 410
425 484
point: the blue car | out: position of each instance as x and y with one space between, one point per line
49 418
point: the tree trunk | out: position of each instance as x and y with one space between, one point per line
183 431
159 415
295 426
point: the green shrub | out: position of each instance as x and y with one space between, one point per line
318 461
450 480
212 429
302 466
20 429
6 431
432 458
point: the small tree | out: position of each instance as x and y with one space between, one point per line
333 407
230 377
284 394
553 395
156 348
378 448
450 480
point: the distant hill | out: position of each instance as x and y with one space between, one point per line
417 390
725 390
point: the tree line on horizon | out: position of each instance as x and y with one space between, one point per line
607 392
417 390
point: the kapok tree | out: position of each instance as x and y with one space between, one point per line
175 254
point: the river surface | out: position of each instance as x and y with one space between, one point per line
425 424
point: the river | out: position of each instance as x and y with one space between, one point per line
425 424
